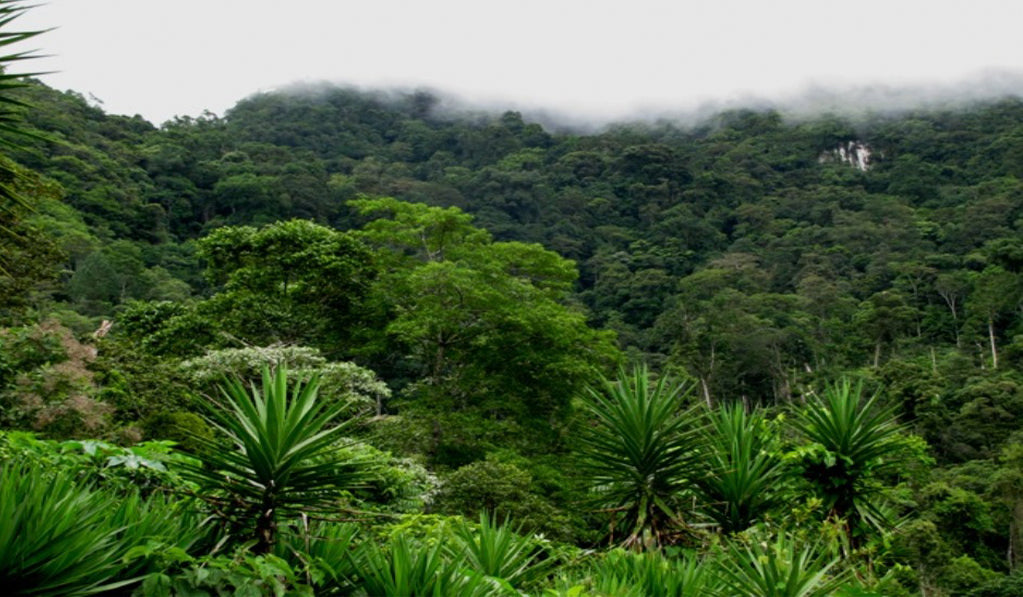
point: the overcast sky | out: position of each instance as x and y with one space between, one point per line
161 58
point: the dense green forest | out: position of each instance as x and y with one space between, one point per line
344 342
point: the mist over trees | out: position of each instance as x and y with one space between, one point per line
744 339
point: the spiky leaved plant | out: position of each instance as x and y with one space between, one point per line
650 574
13 203
853 443
640 453
779 567
405 568
497 551
60 537
742 476
54 536
12 122
283 457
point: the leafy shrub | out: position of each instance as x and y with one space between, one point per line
179 427
1002 586
142 467
223 576
506 491
49 385
398 485
963 574
339 381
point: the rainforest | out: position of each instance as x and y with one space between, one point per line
339 341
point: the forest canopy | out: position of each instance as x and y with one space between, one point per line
345 339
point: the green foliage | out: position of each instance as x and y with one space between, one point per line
145 467
141 387
339 382
29 258
12 122
780 567
757 256
516 489
61 537
397 485
495 550
403 568
283 457
640 453
853 444
486 486
48 384
486 326
1005 586
179 427
743 478
620 573
54 535
323 549
963 574
223 576
294 281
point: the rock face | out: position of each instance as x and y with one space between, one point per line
855 153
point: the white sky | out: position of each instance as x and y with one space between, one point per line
600 58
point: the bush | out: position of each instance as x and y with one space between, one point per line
179 427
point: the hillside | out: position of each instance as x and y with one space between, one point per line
467 276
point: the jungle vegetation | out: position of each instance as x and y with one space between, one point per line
339 342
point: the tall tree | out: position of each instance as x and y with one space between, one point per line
488 325
292 281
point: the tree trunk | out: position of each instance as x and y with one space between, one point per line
266 525
994 347
1016 536
706 391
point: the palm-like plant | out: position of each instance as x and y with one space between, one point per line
404 568
56 537
853 443
284 458
640 453
495 550
650 574
742 473
12 125
783 567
